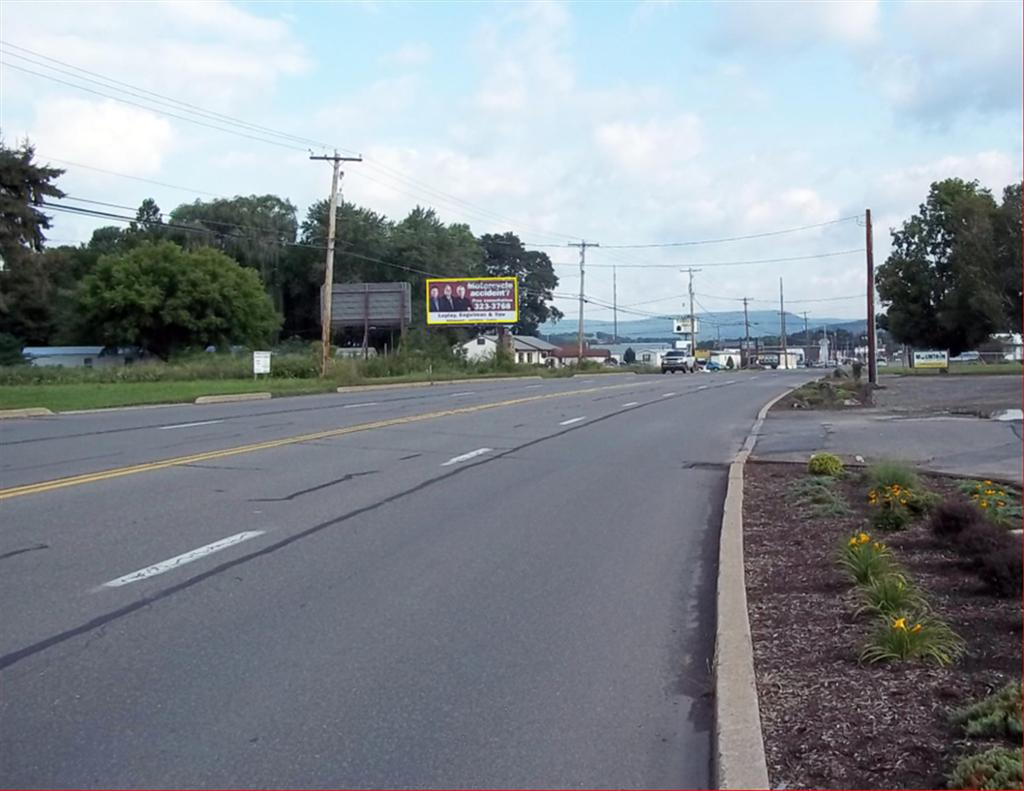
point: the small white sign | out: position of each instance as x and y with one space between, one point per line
260 363
681 326
931 358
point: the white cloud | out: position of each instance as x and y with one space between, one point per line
951 58
784 25
211 52
416 54
104 134
648 148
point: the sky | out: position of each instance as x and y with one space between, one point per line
622 123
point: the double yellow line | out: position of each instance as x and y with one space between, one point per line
120 472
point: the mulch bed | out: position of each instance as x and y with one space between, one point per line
830 722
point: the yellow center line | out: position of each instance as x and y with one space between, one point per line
119 472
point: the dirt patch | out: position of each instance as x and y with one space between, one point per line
844 392
830 722
978 396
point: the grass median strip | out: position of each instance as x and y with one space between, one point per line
119 472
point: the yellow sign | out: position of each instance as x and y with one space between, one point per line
477 300
931 359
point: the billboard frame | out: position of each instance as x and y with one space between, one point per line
471 322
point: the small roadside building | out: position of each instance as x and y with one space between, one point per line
78 356
526 349
570 355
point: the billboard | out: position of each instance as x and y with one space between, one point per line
932 358
371 304
477 300
682 326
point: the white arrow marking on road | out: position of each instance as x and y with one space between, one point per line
730 382
467 392
703 387
190 425
572 420
466 456
667 395
181 560
353 406
531 387
631 403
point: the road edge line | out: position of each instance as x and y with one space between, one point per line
738 740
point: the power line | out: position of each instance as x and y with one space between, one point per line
731 238
133 178
730 263
111 84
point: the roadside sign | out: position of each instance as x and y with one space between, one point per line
479 300
260 363
931 358
681 326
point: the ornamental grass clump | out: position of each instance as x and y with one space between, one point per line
998 715
889 594
863 559
912 637
883 474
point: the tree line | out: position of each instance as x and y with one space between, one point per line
241 270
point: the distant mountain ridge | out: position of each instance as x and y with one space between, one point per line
727 324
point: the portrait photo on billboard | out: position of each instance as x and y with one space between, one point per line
479 300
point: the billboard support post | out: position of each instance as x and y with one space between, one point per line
366 321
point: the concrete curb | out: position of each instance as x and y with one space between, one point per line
739 744
32 411
230 398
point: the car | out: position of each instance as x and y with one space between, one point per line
677 360
712 365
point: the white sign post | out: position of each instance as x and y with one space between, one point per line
260 363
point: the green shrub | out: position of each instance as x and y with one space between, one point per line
997 768
997 715
863 559
885 474
825 464
891 593
907 637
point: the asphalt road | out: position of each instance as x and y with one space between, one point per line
474 585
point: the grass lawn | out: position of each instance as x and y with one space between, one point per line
962 369
99 395
64 397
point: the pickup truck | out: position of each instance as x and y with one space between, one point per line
678 360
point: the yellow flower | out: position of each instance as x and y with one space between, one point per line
990 491
863 538
984 503
853 542
899 623
917 628
975 496
988 483
902 501
1001 503
895 487
1002 493
879 546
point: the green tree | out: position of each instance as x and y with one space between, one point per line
164 299
10 350
505 256
941 285
1008 253
255 230
629 356
24 186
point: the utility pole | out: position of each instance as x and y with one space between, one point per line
326 298
615 308
872 364
693 322
746 334
784 354
583 244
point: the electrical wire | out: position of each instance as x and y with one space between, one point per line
724 263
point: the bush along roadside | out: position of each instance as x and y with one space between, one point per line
996 717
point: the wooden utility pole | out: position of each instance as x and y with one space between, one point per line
693 323
583 244
745 357
326 297
784 354
869 249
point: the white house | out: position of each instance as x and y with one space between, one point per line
526 349
723 356
77 356
570 355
